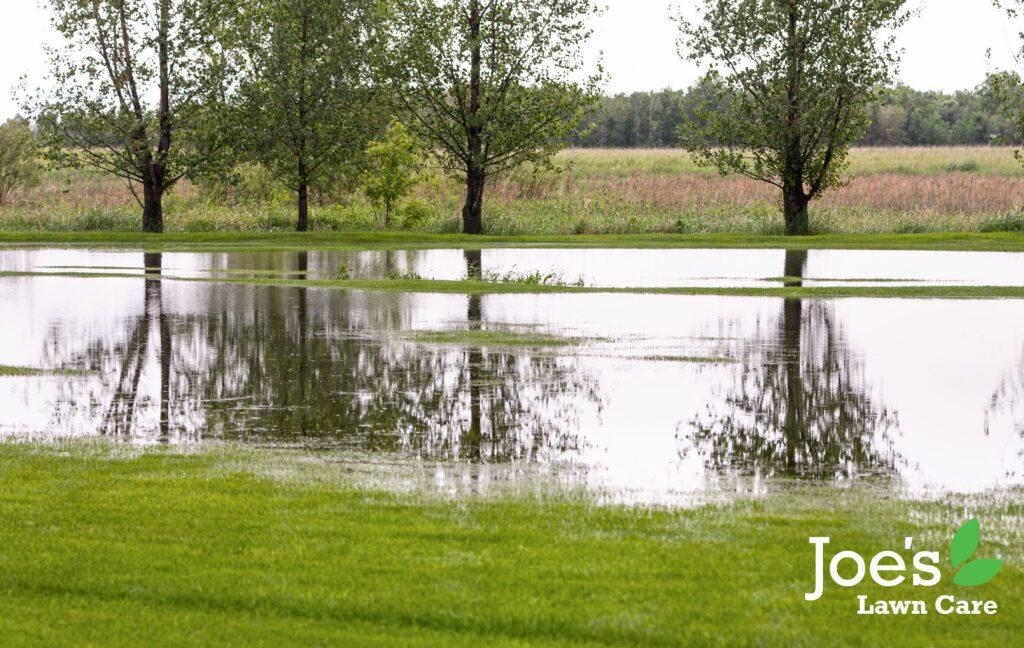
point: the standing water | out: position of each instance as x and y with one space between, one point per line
649 396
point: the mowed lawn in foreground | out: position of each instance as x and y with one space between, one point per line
167 548
599 191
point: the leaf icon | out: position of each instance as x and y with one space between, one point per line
964 543
978 572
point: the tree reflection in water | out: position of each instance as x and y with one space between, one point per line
1008 399
299 365
799 405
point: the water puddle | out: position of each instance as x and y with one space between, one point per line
594 267
654 397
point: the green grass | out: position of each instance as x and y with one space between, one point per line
9 370
841 280
493 338
171 549
476 287
259 241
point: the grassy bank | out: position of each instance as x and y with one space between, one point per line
892 190
477 287
166 548
355 240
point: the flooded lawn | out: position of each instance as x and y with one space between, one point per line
595 267
649 397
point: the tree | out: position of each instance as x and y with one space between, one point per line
796 77
19 164
1006 86
307 87
489 84
121 88
392 169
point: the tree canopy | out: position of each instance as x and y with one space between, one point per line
121 88
492 84
307 94
792 80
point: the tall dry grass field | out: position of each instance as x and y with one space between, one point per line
600 190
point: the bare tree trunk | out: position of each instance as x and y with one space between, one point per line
303 222
303 175
153 210
152 204
794 199
794 207
472 212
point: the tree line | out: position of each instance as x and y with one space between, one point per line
322 92
155 91
901 116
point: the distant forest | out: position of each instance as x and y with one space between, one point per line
905 117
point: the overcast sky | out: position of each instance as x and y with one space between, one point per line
945 46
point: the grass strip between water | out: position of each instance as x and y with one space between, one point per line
474 287
495 338
252 241
10 370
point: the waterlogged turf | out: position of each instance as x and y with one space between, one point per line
106 547
478 287
362 240
493 338
7 370
467 447
655 395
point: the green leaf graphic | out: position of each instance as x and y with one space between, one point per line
964 543
978 572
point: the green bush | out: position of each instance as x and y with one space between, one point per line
415 213
1006 223
18 152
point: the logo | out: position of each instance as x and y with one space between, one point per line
889 568
962 548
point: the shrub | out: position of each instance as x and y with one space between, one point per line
415 213
19 165
393 169
1005 223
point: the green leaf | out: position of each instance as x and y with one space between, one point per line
964 543
978 572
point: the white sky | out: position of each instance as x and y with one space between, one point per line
944 46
